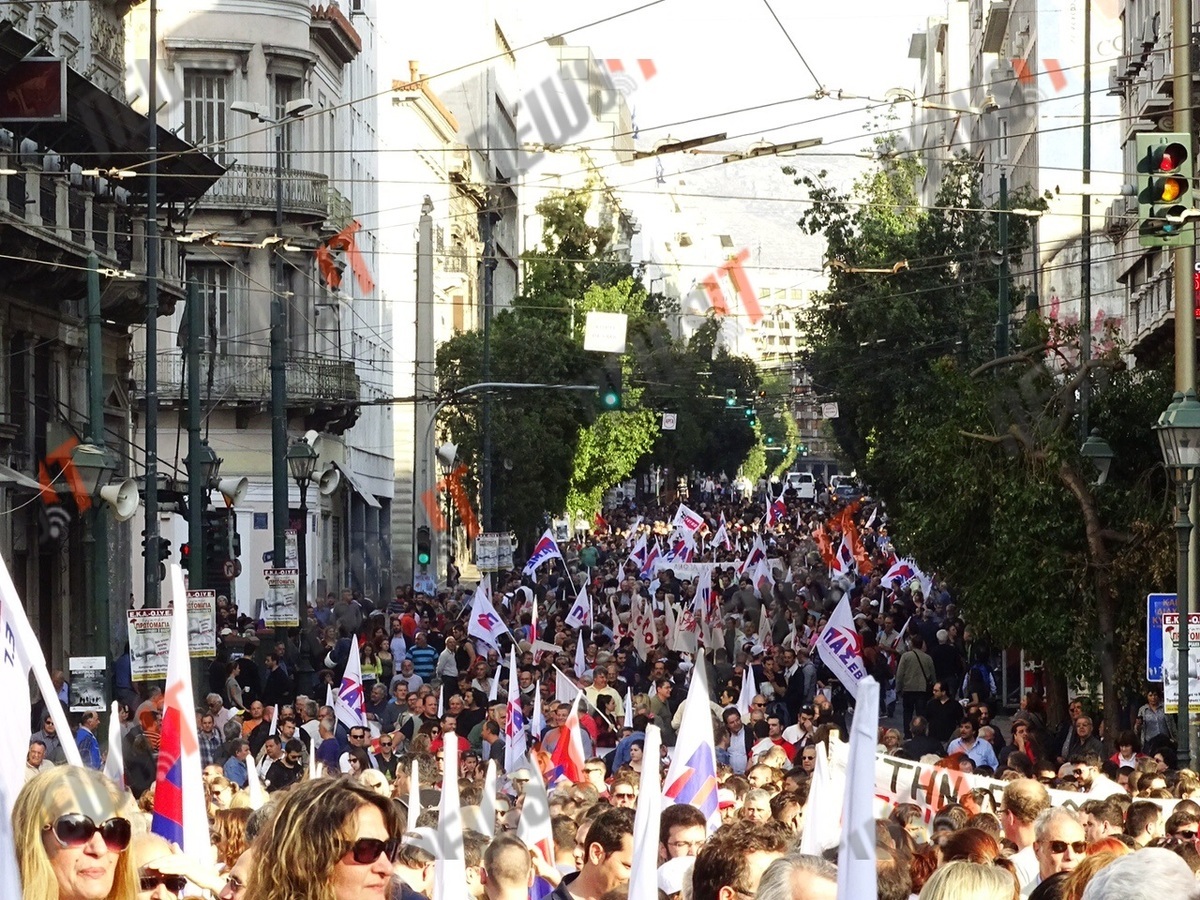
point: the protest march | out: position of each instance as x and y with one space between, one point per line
710 696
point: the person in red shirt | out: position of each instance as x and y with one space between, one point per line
774 738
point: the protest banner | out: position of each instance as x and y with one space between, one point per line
87 683
1170 662
149 640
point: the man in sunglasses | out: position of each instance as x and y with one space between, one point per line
1059 842
48 735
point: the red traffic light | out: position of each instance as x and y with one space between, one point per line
185 551
1170 158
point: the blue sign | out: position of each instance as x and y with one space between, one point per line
1156 605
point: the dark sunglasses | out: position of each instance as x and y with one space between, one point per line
367 850
1190 835
1061 846
173 883
76 829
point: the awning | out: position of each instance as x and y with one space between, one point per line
368 497
9 475
104 133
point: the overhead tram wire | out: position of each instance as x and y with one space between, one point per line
767 4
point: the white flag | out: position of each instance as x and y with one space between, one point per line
114 766
349 706
179 809
514 719
545 549
484 622
856 851
537 721
414 795
628 723
254 788
21 654
687 519
494 689
271 732
822 813
581 610
565 690
840 646
450 869
487 803
643 876
581 665
745 703
692 777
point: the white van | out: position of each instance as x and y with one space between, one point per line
803 484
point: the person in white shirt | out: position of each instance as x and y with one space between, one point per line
1024 800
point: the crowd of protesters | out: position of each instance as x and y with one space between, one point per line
337 794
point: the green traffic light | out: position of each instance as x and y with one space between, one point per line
423 559
610 400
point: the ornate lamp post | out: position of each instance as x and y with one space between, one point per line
1178 430
302 463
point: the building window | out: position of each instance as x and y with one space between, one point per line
212 280
286 90
204 112
1002 125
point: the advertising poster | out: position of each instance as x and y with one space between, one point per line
1170 662
149 641
202 624
87 683
281 608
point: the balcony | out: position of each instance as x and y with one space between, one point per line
340 214
252 189
50 221
324 391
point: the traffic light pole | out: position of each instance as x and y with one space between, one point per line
1185 338
197 491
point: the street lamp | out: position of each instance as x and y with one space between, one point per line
1178 430
206 467
302 463
292 111
1097 451
446 455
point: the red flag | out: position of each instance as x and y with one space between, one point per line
567 755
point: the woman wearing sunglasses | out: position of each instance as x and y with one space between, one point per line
331 839
72 830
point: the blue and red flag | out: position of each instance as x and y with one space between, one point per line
692 777
545 549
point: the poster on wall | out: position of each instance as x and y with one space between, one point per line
202 624
149 640
1170 662
87 683
281 607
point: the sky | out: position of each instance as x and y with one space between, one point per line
714 57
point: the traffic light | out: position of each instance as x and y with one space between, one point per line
610 386
424 545
730 399
145 541
751 415
185 553
770 439
164 549
1164 167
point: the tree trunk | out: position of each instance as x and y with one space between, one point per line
1100 564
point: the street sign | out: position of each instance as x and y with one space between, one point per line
1170 681
668 421
1156 605
829 410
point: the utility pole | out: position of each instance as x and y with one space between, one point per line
424 383
96 530
1002 293
280 513
152 598
1185 338
1085 256
197 490
489 268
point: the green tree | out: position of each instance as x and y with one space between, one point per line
979 458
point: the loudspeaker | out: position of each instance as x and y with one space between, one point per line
234 489
329 481
122 497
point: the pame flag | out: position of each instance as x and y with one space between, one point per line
840 646
687 519
545 549
692 777
179 811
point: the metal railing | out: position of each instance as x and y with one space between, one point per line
253 187
247 378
